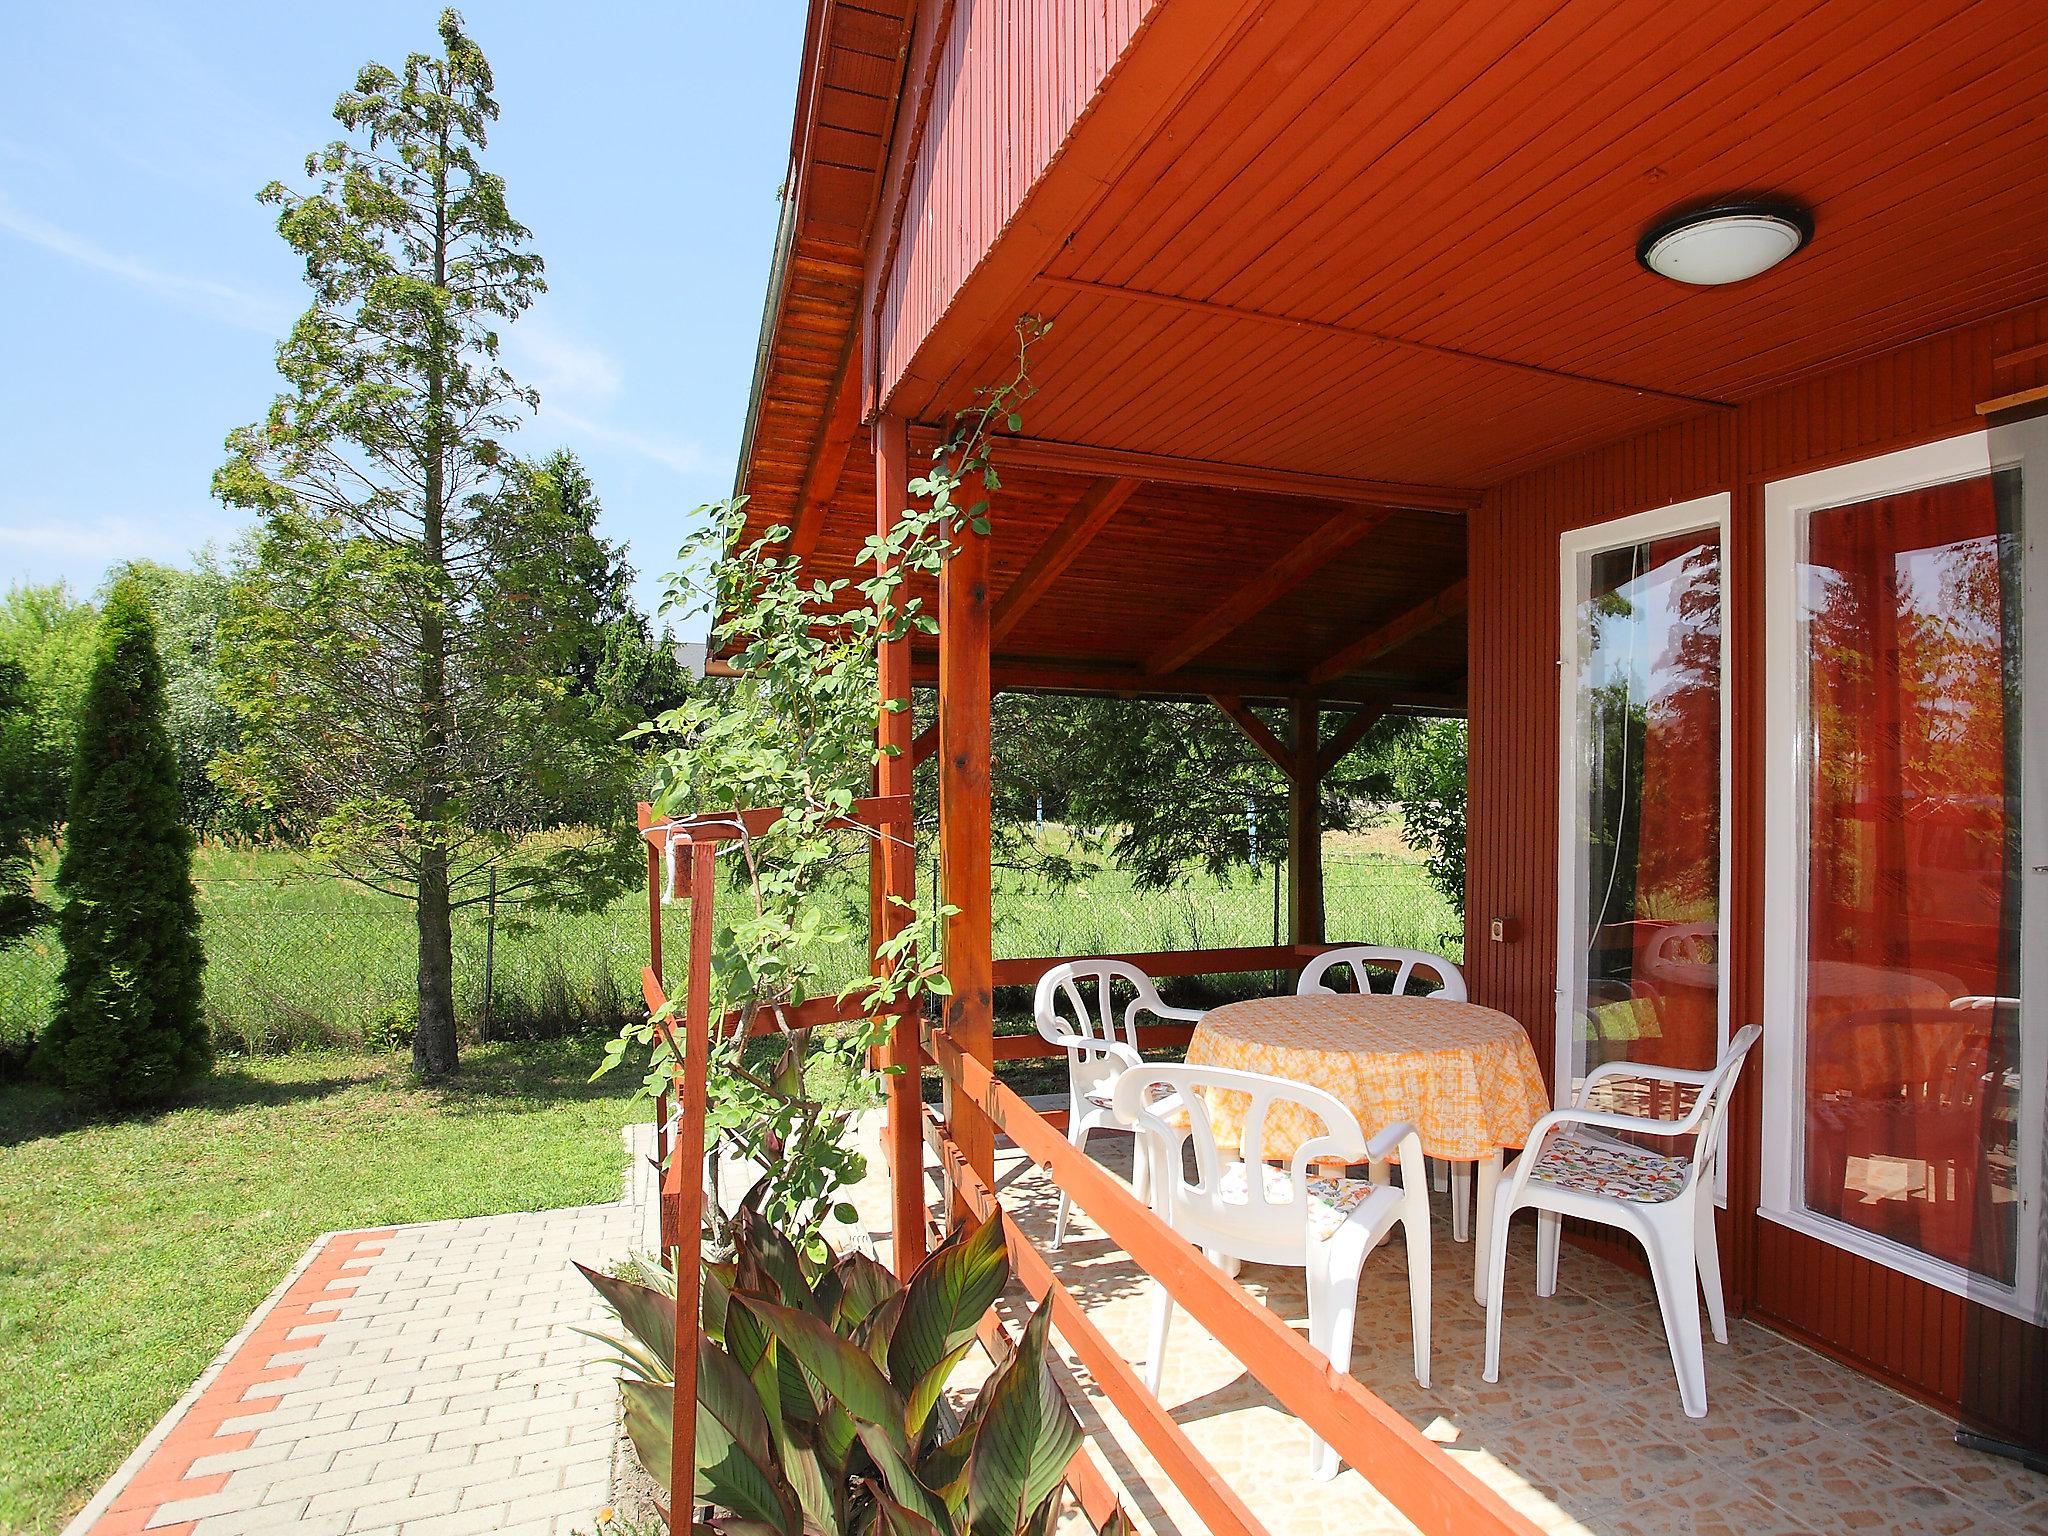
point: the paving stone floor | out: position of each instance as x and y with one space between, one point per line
428 1381
422 1379
1583 1433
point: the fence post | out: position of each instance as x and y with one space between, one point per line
490 946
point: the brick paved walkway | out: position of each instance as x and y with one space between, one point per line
422 1379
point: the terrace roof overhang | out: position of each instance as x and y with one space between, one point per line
1322 273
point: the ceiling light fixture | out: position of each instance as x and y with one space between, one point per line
1725 243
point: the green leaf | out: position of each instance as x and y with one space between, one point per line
1027 1436
893 1519
736 1463
864 1286
815 1494
717 1292
942 1306
878 1328
650 1424
648 1315
894 1465
846 1375
769 1262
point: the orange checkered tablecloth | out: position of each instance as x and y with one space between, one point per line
1465 1075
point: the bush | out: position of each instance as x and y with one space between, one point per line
129 1026
390 1028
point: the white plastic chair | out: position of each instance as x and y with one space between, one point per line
1099 1046
1242 1208
1665 1199
1363 960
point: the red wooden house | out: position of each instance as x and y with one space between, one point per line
1364 393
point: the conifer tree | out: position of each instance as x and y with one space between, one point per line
396 658
20 912
129 1027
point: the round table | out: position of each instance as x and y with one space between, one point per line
1466 1077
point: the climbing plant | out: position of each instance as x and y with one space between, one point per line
795 729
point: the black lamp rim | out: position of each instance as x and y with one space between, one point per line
1798 217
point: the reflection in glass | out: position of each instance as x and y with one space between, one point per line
1911 965
1645 985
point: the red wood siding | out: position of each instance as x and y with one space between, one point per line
1899 1328
1013 79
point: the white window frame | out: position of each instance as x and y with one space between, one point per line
1575 548
1786 841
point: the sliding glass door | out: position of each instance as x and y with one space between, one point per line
1643 721
1904 1118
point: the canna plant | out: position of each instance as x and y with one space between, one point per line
820 1393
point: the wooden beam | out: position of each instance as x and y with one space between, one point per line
965 826
1347 737
1165 469
1170 962
2013 401
892 877
1098 504
1211 308
1392 635
882 812
1040 674
1305 826
1260 733
1300 564
828 462
926 743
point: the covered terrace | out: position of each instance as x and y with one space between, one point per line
1348 330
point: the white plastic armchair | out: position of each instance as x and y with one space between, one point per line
1100 1044
1363 958
1666 1200
1240 1207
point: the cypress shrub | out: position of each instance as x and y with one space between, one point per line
129 1026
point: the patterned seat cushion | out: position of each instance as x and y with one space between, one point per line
1330 1201
1599 1165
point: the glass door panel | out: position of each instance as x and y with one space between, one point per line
1640 956
1910 730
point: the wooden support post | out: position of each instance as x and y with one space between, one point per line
892 880
964 830
1305 825
683 1181
656 873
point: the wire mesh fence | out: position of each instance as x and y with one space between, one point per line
296 958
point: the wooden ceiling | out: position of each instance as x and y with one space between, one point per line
1396 244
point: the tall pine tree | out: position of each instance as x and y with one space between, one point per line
129 1026
399 657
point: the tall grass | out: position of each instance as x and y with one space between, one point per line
298 959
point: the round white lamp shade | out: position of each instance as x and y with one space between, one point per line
1724 245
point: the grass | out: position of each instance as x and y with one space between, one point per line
294 961
131 1250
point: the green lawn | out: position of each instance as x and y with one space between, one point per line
131 1250
295 959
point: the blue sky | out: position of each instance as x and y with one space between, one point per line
146 287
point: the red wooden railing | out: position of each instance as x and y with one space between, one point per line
1412 1472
